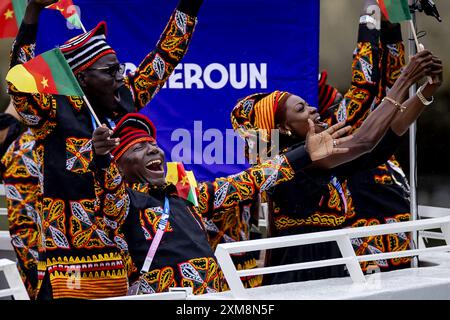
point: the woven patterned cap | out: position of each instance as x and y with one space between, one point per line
131 129
84 50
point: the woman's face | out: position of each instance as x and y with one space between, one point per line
296 114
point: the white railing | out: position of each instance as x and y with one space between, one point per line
177 293
431 212
342 237
16 287
5 239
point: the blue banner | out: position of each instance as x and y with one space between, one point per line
239 47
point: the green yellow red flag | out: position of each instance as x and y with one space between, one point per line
68 10
183 180
11 16
47 73
395 10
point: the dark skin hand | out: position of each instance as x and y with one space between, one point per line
318 145
34 8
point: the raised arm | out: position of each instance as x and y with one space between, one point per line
159 64
366 70
110 188
38 111
378 122
227 192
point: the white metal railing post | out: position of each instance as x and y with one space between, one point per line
446 232
17 288
353 266
230 273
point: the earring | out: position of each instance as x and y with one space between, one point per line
289 133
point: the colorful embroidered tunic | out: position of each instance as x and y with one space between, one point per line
81 260
184 257
19 167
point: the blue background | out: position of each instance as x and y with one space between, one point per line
283 33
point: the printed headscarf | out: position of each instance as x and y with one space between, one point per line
253 118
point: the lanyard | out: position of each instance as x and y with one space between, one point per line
339 188
163 222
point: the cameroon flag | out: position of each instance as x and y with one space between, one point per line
183 180
68 10
395 10
47 73
11 15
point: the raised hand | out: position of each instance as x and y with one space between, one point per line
323 144
437 76
43 3
420 66
103 143
34 8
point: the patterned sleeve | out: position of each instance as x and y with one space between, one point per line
224 193
393 56
38 111
110 190
360 98
159 64
19 173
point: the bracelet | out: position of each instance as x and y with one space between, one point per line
395 103
422 97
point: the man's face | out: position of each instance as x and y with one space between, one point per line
143 163
101 82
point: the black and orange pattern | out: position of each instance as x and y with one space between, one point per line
20 171
184 257
379 195
73 235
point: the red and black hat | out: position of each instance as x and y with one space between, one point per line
84 50
131 129
327 93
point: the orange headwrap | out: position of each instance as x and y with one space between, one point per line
254 115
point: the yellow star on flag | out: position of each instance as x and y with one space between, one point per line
9 14
185 180
44 83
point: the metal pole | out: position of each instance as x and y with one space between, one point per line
412 148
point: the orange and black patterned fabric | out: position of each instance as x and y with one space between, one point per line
20 167
81 258
184 257
378 195
322 203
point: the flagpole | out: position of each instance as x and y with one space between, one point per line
82 27
413 47
91 110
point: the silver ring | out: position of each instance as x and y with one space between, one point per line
334 143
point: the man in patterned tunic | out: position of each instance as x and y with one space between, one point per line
184 257
18 167
80 259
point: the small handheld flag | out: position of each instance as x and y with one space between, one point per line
11 16
395 10
69 12
47 73
183 180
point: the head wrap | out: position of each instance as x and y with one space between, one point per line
327 93
253 118
131 129
84 50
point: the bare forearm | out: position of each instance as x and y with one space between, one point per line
403 120
32 13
